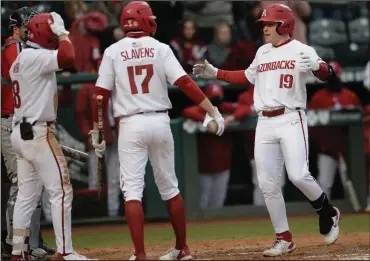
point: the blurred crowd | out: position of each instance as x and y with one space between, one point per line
224 33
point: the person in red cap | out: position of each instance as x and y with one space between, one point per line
87 45
214 153
333 96
279 73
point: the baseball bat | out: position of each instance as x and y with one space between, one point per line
348 185
67 151
100 129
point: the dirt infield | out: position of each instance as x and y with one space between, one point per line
354 246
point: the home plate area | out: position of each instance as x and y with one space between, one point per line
350 246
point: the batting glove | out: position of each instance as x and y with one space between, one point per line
57 24
307 62
205 70
99 147
218 119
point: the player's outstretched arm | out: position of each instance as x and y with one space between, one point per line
192 90
208 71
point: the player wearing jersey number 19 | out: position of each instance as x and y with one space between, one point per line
137 70
279 73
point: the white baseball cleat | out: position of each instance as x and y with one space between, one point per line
175 254
73 256
333 234
279 248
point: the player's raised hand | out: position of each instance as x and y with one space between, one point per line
57 24
218 119
205 70
99 147
307 62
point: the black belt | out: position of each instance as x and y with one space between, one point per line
162 111
5 116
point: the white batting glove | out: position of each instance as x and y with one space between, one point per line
307 62
205 70
57 24
99 147
218 119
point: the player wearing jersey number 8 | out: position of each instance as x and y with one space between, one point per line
137 70
279 73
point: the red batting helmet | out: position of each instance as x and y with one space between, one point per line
336 67
279 13
214 90
39 31
138 16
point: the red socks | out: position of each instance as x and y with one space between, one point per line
176 211
287 236
135 218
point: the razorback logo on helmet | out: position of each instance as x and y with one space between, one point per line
284 6
264 13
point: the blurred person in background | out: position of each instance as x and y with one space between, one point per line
83 115
207 15
73 10
302 10
228 55
188 49
168 13
112 10
87 46
214 153
333 96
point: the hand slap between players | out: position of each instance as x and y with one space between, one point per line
99 147
307 62
57 24
205 70
218 119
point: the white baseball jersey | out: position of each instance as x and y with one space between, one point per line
277 78
34 85
138 71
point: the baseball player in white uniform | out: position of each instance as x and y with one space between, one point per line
136 71
40 160
279 72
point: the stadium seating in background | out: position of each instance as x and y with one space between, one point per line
326 53
327 32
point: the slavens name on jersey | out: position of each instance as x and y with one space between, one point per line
137 53
277 65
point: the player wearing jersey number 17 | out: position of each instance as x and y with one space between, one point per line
137 70
279 72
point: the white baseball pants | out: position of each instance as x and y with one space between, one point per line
41 162
283 139
144 136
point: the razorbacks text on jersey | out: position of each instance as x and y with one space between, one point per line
276 75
